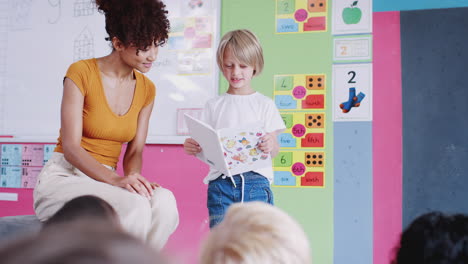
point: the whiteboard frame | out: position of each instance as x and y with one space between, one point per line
152 137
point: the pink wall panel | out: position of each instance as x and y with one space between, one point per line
387 135
169 166
23 206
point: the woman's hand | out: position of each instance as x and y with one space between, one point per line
191 146
136 183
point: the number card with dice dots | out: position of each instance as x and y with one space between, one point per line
301 16
299 169
299 92
303 130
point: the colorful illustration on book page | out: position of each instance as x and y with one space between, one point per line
303 130
299 169
300 92
301 16
241 148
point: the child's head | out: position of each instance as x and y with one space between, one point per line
256 232
86 240
434 238
87 206
244 46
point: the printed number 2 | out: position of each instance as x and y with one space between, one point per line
344 51
353 73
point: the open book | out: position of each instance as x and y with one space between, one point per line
229 150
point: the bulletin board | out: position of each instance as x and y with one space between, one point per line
40 39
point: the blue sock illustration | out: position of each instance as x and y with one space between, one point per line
346 106
359 99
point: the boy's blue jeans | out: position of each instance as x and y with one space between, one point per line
222 193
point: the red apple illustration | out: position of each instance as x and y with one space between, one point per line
352 14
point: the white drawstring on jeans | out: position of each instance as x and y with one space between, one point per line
243 185
235 186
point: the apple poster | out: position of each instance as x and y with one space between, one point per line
351 17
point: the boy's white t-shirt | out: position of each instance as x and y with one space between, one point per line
233 111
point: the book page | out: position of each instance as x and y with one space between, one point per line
241 152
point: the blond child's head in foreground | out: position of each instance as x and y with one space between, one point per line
240 58
253 233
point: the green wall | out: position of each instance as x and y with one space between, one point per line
292 54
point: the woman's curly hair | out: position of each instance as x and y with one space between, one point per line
138 23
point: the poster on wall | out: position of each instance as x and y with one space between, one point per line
21 164
351 17
301 16
352 49
300 98
352 92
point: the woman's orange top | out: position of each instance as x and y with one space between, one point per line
104 132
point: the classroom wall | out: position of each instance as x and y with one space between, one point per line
434 61
379 188
293 54
338 221
430 44
387 136
400 5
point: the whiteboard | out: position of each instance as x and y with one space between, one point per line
40 39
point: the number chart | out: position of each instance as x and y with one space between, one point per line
300 99
22 163
299 168
300 92
301 16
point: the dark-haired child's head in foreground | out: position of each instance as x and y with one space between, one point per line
434 238
87 206
85 241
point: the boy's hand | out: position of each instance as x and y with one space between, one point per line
269 143
191 146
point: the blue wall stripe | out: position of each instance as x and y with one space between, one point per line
353 214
